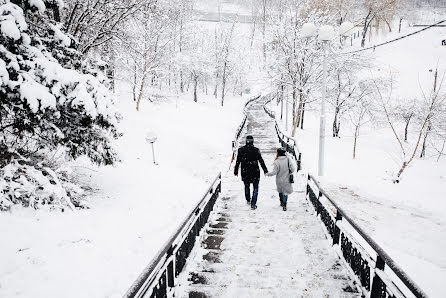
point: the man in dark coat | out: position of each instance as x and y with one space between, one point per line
249 157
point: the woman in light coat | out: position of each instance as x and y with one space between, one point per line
283 167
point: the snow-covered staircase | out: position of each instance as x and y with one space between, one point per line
264 252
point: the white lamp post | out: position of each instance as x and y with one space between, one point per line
151 138
325 34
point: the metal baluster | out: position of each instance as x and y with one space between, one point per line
378 286
337 231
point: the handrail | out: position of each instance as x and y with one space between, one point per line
240 128
379 285
242 125
287 142
161 272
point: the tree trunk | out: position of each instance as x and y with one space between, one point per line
302 117
388 26
134 83
406 129
423 147
181 82
264 29
281 107
441 151
143 80
141 91
355 141
223 82
399 26
364 32
195 88
297 114
253 32
216 86
335 123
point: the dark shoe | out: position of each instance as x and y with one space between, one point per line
254 207
281 203
248 202
284 207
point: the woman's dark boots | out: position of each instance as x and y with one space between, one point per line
284 206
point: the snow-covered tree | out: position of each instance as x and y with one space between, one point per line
46 106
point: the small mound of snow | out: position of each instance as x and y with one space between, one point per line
38 4
34 93
60 36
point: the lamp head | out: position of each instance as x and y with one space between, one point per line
308 30
346 29
326 33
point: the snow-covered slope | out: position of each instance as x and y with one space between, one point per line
407 219
99 252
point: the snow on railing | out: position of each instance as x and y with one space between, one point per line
159 277
289 144
378 275
240 127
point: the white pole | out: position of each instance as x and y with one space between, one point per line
153 153
286 117
322 118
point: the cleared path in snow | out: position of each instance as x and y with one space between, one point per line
264 252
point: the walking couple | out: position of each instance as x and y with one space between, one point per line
249 158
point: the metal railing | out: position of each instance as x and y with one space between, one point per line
160 275
379 276
242 125
286 142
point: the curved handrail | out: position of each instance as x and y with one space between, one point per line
146 278
341 215
242 125
289 143
382 257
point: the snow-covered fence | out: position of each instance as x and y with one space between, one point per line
159 277
242 125
240 128
378 275
286 142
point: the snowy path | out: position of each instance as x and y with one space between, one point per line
266 252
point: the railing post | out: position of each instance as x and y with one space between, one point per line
318 211
170 269
378 287
337 231
299 161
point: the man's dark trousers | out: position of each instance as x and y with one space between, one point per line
255 192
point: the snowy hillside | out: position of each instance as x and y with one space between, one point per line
86 201
408 218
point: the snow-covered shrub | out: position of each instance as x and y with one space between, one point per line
34 183
47 103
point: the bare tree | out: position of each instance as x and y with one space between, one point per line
226 50
430 112
94 23
374 9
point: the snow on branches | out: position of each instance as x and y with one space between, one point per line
46 104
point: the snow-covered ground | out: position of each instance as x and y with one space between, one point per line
407 219
99 252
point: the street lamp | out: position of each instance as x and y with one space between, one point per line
151 138
325 34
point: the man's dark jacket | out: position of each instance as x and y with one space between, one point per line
249 157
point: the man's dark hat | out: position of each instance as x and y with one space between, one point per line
249 140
